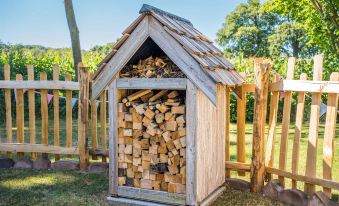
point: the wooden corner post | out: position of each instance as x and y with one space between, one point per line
261 79
83 115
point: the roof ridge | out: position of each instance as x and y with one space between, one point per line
148 8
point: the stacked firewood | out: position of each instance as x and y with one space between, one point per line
159 67
152 141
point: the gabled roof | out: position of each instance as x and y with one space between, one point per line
188 48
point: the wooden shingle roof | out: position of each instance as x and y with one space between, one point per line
209 58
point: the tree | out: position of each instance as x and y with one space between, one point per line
246 30
74 32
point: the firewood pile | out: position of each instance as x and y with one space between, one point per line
159 67
152 141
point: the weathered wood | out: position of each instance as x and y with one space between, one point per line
138 94
69 122
56 111
227 129
151 195
103 129
329 136
113 138
20 115
44 112
84 76
152 83
94 130
310 180
311 158
238 166
305 86
9 132
121 57
298 129
261 78
99 152
269 152
31 110
241 120
191 110
286 120
213 197
42 84
39 148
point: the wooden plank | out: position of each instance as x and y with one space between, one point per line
94 130
329 136
9 132
151 195
20 115
31 110
191 176
120 59
44 112
99 152
38 148
113 138
56 111
286 120
238 166
84 76
305 86
311 180
182 59
269 153
213 197
42 84
152 83
261 78
311 159
241 122
298 129
227 129
69 122
103 122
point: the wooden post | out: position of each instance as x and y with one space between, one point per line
94 130
69 123
103 122
269 155
31 105
227 127
9 132
44 111
298 128
83 116
286 120
241 123
331 118
311 160
20 115
56 111
261 78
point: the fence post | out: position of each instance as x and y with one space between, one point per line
261 79
83 115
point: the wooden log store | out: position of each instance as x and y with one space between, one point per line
167 89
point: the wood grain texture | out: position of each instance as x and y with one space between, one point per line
305 86
31 110
56 111
191 129
42 84
103 128
286 120
269 153
20 115
44 112
298 129
311 158
69 122
151 83
39 148
329 136
8 103
227 129
261 78
241 123
94 130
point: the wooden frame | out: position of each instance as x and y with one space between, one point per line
305 86
179 84
40 148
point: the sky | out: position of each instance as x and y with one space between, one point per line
43 22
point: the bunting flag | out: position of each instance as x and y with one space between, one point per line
323 108
74 100
25 90
49 98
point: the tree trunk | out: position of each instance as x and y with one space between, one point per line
74 32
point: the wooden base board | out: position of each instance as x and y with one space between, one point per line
213 196
123 201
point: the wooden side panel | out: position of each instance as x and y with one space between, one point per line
227 128
311 161
9 132
210 143
103 122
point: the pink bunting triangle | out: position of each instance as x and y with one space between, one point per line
49 98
